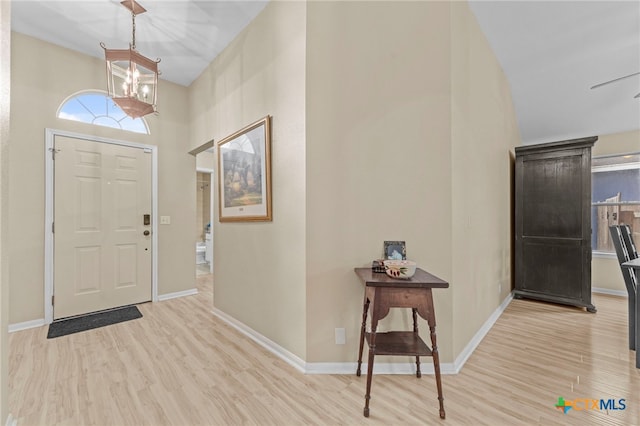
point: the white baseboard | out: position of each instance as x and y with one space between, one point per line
462 358
26 325
11 421
289 357
619 293
327 367
177 294
378 368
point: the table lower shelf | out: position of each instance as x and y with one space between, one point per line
399 343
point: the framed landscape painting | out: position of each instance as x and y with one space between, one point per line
244 174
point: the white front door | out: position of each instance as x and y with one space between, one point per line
102 238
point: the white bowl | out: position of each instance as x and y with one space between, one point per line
403 269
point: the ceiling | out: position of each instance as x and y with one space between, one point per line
185 34
551 52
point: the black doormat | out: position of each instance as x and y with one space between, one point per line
91 321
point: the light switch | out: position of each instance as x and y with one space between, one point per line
165 220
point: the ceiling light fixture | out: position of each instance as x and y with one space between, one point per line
618 79
132 79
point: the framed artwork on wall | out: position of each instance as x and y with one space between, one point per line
244 174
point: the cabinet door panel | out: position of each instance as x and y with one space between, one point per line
553 269
553 197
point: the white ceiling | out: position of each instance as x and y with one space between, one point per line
185 34
552 52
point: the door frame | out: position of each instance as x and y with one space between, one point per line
211 198
50 135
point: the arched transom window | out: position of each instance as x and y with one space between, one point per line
97 108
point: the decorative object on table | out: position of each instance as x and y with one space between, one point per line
403 269
244 174
395 250
132 79
378 265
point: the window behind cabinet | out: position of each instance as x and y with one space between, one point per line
615 198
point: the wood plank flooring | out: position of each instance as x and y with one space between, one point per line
181 365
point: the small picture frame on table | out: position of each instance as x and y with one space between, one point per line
395 250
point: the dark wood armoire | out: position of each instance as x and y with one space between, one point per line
553 222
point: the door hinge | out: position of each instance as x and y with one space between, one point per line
53 298
53 153
53 227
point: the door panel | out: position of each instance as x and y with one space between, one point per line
550 184
102 259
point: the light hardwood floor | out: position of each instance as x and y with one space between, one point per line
181 365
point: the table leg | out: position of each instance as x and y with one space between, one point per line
415 331
372 352
436 367
363 330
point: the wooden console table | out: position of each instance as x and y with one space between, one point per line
382 293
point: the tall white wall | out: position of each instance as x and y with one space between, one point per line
484 133
378 158
260 267
378 135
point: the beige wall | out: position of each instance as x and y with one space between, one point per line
5 92
205 160
605 271
371 154
37 96
378 158
260 267
484 133
409 136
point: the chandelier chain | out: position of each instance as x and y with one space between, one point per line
133 30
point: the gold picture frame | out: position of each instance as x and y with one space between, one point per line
244 174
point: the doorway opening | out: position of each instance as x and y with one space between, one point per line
204 221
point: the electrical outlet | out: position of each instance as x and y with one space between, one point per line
499 288
341 337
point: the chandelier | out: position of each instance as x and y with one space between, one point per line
132 79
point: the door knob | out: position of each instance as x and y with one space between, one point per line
146 233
